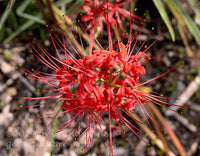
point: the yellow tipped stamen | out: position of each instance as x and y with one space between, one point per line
126 139
145 46
38 90
24 98
49 34
152 28
144 14
31 51
16 67
25 74
78 20
30 124
34 38
127 23
161 94
92 13
20 106
165 132
92 17
32 69
75 139
135 9
126 33
148 144
81 14
147 134
20 65
51 29
47 26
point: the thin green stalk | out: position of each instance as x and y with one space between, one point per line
54 129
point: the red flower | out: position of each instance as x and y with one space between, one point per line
105 81
98 12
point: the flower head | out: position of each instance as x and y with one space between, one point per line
107 81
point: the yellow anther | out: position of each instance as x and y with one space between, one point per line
152 130
47 126
126 33
25 74
31 51
135 9
152 28
145 46
144 14
51 29
49 34
24 98
92 17
81 14
149 58
47 26
34 38
147 134
32 69
20 65
126 139
127 23
161 94
181 112
30 124
92 13
78 20
21 106
74 138
165 132
16 67
103 8
148 144
123 34
38 89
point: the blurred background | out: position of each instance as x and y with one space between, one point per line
25 20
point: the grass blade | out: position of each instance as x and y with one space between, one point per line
163 13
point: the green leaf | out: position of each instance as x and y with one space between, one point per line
175 4
163 13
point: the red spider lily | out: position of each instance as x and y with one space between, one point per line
105 81
97 11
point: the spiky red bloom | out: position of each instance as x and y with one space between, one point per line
97 12
105 81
